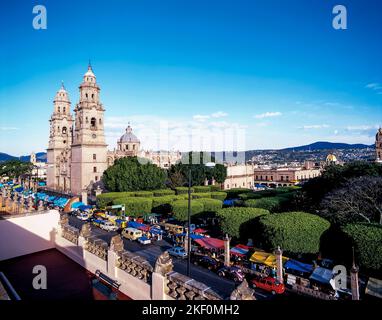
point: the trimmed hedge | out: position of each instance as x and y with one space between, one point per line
215 188
211 205
234 221
294 232
201 195
219 195
180 208
250 195
202 189
183 190
106 199
162 204
234 193
367 240
146 194
135 206
272 204
163 192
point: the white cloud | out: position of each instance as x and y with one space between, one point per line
219 114
315 126
361 128
204 117
268 115
8 128
200 117
377 87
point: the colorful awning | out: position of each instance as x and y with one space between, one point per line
298 266
240 250
266 258
210 243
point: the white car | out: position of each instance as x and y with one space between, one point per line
83 216
144 240
108 226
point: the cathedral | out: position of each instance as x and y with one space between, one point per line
77 153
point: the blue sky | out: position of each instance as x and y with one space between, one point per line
273 73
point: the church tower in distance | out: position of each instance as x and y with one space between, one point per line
89 150
60 140
378 145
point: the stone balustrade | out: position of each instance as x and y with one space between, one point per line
181 287
135 265
70 233
97 247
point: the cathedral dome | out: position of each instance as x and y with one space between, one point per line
331 158
129 136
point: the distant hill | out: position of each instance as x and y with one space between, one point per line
41 157
5 157
323 145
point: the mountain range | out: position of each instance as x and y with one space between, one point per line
320 145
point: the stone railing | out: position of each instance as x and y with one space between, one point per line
70 233
97 247
181 287
299 289
135 265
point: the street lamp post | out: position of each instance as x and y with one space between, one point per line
210 165
189 225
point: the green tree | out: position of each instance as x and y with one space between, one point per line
129 174
294 232
180 208
135 206
366 239
233 221
15 168
196 162
357 200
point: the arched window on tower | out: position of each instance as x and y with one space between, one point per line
100 121
86 95
64 130
58 109
92 95
64 109
93 123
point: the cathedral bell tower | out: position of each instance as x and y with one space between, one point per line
378 145
89 150
60 140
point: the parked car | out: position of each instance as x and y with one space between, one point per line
206 262
131 233
98 222
144 240
108 226
83 216
268 284
178 252
234 273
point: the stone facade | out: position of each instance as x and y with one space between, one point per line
128 145
77 154
281 177
239 176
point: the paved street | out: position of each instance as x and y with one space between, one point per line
152 251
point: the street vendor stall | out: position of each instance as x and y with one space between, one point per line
298 268
240 250
267 259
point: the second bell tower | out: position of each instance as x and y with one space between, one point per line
89 150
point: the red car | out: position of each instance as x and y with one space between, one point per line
269 284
